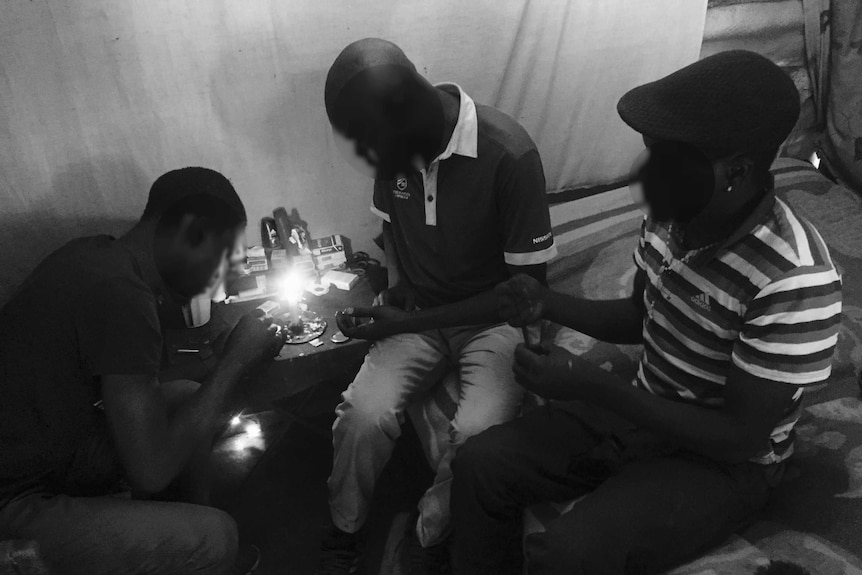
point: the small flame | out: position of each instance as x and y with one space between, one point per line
292 287
252 429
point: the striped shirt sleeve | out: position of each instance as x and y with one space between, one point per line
641 247
523 209
791 327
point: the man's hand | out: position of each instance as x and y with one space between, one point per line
400 296
549 373
521 300
254 339
371 323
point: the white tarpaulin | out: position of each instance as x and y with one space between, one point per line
99 97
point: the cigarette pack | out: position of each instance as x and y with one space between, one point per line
269 307
278 258
327 245
303 264
339 279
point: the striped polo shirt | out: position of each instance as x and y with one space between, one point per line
767 299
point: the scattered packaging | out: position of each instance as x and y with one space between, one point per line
269 307
317 288
269 234
285 229
331 262
256 259
279 260
303 264
258 290
339 279
329 252
327 245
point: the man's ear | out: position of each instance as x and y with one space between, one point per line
737 169
192 229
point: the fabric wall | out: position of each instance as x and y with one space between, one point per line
793 34
99 97
842 143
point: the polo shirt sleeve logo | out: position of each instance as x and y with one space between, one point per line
541 239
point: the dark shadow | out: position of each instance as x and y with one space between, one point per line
29 236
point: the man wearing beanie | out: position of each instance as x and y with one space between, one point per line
461 192
736 302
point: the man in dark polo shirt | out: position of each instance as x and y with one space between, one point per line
737 304
83 331
461 191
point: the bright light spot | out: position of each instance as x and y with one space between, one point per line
235 420
252 429
292 287
243 444
815 160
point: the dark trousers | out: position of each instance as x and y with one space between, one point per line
82 529
649 506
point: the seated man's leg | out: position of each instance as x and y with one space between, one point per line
653 515
369 419
504 469
194 482
96 468
109 535
489 395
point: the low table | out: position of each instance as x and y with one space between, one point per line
294 369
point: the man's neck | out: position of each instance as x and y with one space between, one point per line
140 241
722 218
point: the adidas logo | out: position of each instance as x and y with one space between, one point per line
702 301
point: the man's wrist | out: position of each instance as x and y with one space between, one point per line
408 323
548 298
231 367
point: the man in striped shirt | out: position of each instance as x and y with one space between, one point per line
737 304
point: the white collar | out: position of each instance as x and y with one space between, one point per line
465 137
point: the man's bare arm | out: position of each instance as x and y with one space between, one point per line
154 443
523 300
615 321
734 432
477 310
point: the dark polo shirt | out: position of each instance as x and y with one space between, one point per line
479 207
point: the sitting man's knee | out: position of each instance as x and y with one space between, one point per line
480 454
574 551
177 392
367 415
217 542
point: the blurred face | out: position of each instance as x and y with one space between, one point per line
196 259
675 181
364 163
386 121
399 154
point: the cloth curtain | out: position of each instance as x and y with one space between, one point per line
842 143
99 97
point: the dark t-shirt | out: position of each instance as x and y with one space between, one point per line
83 313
